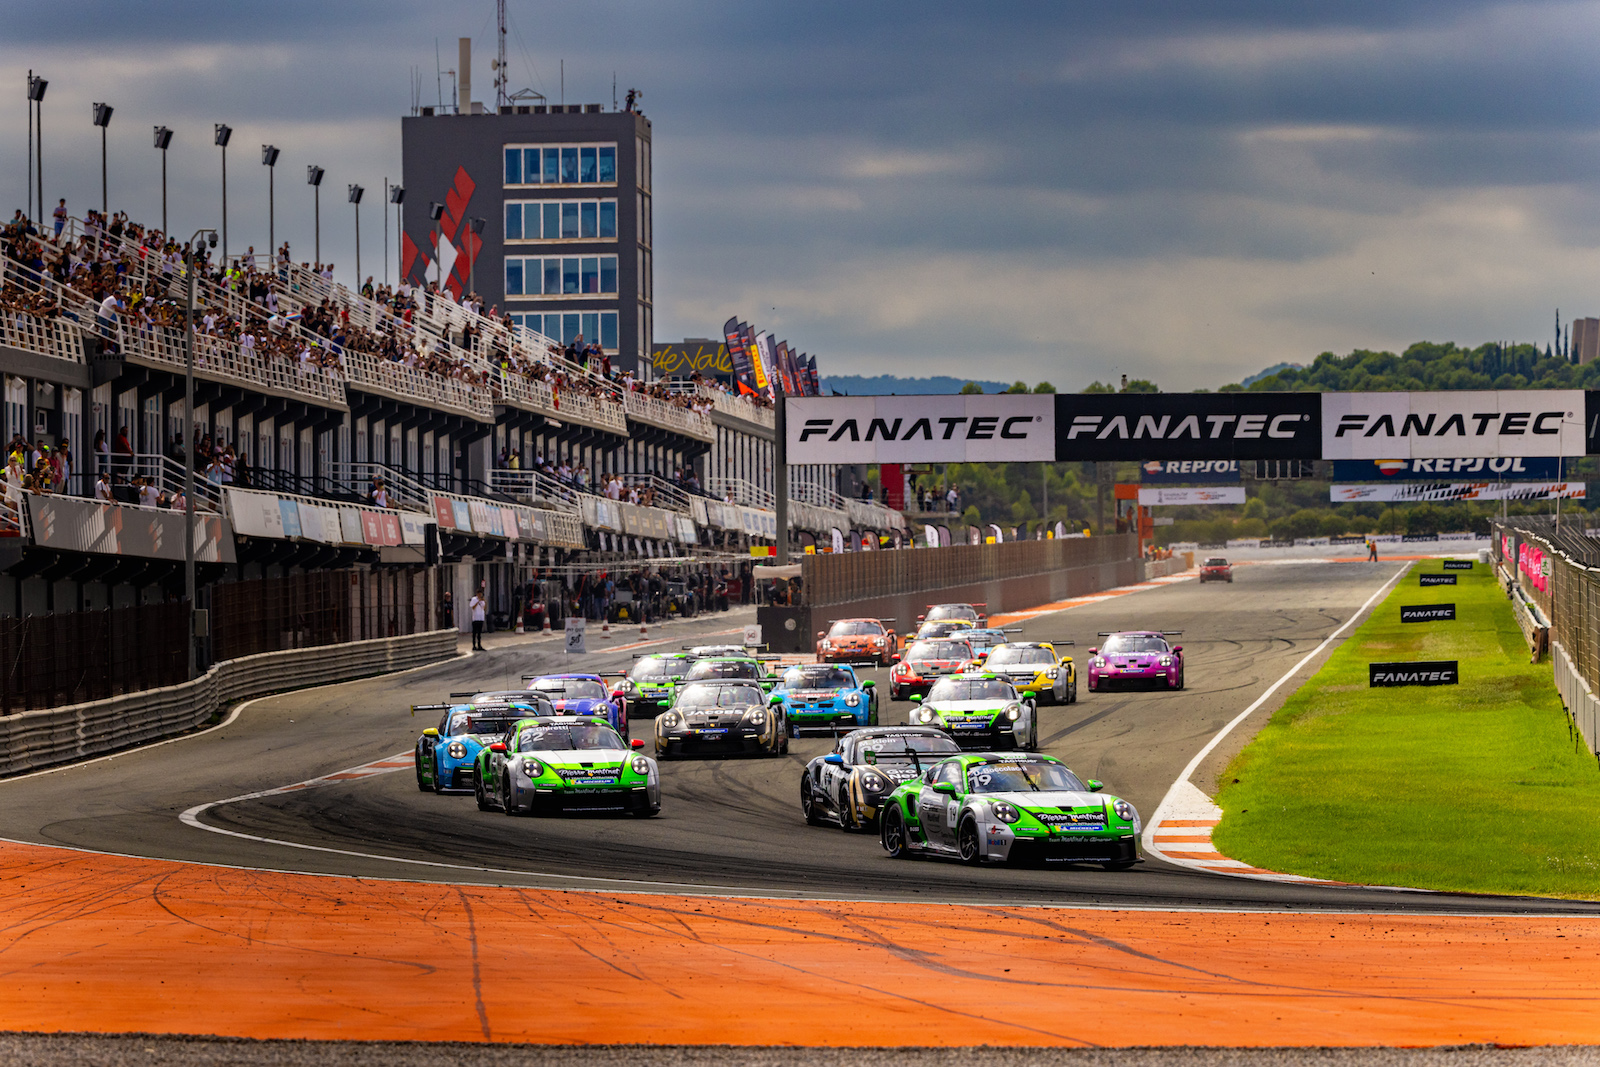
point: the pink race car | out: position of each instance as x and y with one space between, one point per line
1140 657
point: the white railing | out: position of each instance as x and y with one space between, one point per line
55 337
404 492
13 516
596 411
532 485
816 493
542 396
387 377
747 493
668 416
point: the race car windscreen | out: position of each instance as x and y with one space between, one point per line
1124 644
495 723
1216 561
855 629
970 689
983 638
1019 657
888 749
570 688
711 668
718 696
655 669
926 650
1022 777
951 611
809 677
562 737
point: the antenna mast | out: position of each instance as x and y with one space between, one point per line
501 99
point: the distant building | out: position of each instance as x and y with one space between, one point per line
1586 339
564 196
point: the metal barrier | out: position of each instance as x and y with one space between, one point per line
668 416
1579 699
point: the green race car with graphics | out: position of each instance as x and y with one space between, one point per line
1009 808
979 710
566 763
649 688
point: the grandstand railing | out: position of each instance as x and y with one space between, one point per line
743 492
818 494
13 516
531 487
739 407
668 416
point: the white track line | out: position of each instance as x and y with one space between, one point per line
1179 832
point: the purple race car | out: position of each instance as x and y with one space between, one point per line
1136 656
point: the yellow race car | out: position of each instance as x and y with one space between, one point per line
1038 666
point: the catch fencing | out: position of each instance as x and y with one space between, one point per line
77 656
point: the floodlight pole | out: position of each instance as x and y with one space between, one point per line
189 443
780 469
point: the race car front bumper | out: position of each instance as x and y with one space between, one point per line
621 798
1160 678
731 742
803 719
460 777
1001 843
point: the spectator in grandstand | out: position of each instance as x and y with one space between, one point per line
147 491
60 214
123 459
952 500
102 452
102 486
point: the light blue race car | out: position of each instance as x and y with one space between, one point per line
445 753
826 696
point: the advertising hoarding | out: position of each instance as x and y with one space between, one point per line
1509 422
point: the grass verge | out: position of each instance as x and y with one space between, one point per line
1475 787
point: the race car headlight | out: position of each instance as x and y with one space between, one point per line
852 699
1013 713
826 644
924 715
1124 810
1006 812
1166 661
878 641
640 765
530 767
1051 673
457 750
1099 661
874 783
757 716
670 720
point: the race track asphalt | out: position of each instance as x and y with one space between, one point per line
726 826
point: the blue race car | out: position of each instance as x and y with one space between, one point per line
445 754
580 694
820 696
984 639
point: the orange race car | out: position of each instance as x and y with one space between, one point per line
854 640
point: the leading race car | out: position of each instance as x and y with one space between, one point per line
1038 666
729 668
566 763
849 640
980 711
579 694
1136 657
1216 569
924 663
966 612
728 717
647 689
1009 808
446 754
850 784
820 696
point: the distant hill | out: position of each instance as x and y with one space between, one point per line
1269 372
884 384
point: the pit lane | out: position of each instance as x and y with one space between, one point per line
728 827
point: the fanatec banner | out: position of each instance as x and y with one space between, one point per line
1420 672
1188 426
1511 422
970 428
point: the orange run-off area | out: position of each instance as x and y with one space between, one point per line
108 944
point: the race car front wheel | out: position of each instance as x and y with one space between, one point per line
808 804
422 783
481 796
968 843
1120 865
847 812
438 782
893 835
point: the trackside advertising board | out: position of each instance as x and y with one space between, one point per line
1188 426
1188 471
1511 422
1422 672
1427 613
972 428
1453 468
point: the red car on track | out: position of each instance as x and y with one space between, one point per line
854 640
925 662
1216 569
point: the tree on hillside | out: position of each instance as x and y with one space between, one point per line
1044 387
1099 387
1141 385
1018 387
971 387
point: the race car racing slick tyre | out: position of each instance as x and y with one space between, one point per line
647 812
505 799
1072 693
438 786
968 843
481 797
808 804
847 814
893 835
872 713
422 783
1180 680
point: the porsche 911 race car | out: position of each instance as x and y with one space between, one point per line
850 784
932 631
980 711
851 640
1136 657
708 651
446 754
968 613
730 668
1216 569
726 717
579 694
646 691
924 662
1036 665
821 696
984 639
566 763
1009 808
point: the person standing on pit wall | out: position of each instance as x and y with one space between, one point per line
1372 551
479 615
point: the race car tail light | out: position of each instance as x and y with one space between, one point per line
640 765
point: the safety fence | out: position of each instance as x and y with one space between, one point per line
76 656
321 608
33 739
842 578
1556 569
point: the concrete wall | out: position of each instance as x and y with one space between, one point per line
34 739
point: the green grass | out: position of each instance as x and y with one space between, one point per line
1474 787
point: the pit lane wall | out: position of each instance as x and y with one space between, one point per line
34 739
900 585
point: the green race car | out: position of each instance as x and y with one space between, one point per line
1009 807
979 711
650 687
566 763
730 669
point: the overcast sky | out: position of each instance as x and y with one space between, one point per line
1063 190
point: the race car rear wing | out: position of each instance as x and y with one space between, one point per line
486 705
1163 633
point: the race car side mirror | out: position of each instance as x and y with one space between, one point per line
638 742
1094 652
834 758
894 657
430 732
776 700
820 635
1177 648
1095 785
1028 694
916 698
922 618
947 788
677 677
868 684
497 746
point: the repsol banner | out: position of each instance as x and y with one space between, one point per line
972 428
1422 672
1477 468
1436 579
1188 426
1458 564
1186 471
1427 613
1510 422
